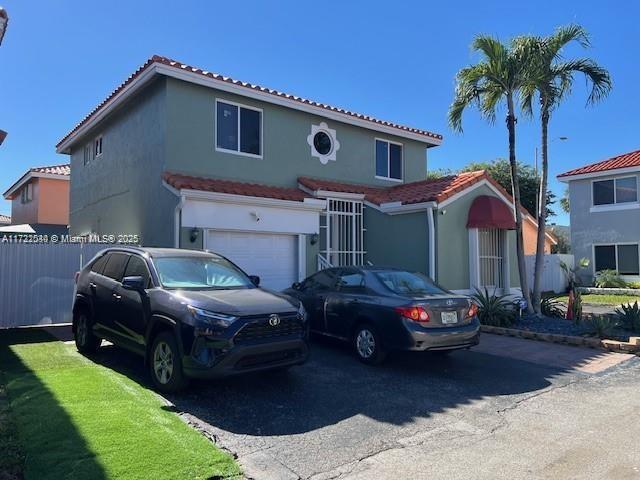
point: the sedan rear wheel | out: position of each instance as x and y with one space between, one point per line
368 345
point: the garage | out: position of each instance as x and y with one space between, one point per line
273 257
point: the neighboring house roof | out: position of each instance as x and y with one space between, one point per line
624 161
5 219
60 172
166 66
185 182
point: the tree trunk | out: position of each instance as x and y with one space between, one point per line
522 268
542 215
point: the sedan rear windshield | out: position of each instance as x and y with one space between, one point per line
200 272
407 283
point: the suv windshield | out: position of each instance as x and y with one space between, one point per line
404 283
200 272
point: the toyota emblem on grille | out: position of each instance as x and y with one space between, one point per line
274 320
450 302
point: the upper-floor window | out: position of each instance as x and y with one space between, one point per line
238 129
388 160
618 190
97 147
26 195
87 154
624 258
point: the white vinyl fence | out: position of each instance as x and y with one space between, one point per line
37 281
553 278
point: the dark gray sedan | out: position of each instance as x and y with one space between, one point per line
382 309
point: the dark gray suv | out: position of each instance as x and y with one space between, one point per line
188 313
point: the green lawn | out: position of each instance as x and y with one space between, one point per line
71 418
614 300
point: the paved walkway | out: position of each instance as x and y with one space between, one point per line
565 357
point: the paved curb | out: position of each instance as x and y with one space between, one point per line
632 346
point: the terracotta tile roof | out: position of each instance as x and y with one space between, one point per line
64 169
157 59
180 182
435 190
631 159
4 219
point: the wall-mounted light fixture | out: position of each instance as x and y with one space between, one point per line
314 239
256 216
443 211
193 235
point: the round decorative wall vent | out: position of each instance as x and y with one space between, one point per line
323 143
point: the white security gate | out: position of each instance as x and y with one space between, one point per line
491 256
271 256
37 281
342 232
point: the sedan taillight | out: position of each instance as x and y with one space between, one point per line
473 311
417 314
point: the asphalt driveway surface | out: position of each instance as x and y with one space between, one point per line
505 410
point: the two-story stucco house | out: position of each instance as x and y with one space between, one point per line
280 184
605 214
40 201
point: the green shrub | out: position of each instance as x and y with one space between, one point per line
634 285
609 279
551 307
601 326
493 309
629 316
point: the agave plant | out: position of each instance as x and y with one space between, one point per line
552 307
629 316
601 326
495 310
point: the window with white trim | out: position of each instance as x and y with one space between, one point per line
618 190
388 160
26 195
238 129
624 258
97 147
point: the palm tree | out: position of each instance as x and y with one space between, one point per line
496 79
551 80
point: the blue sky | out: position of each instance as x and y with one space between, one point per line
393 60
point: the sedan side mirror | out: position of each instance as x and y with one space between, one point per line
133 283
295 285
255 279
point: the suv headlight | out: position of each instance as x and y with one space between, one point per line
302 313
212 318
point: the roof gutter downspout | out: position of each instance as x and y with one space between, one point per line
432 245
177 214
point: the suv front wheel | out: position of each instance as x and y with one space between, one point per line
166 365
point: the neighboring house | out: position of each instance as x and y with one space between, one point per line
605 214
4 220
280 184
530 236
40 201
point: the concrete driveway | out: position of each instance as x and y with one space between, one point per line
510 408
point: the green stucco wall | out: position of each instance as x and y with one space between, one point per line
121 191
397 240
452 246
286 153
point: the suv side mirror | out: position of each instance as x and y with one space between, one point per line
296 285
133 283
255 279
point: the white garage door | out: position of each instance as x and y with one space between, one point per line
273 257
